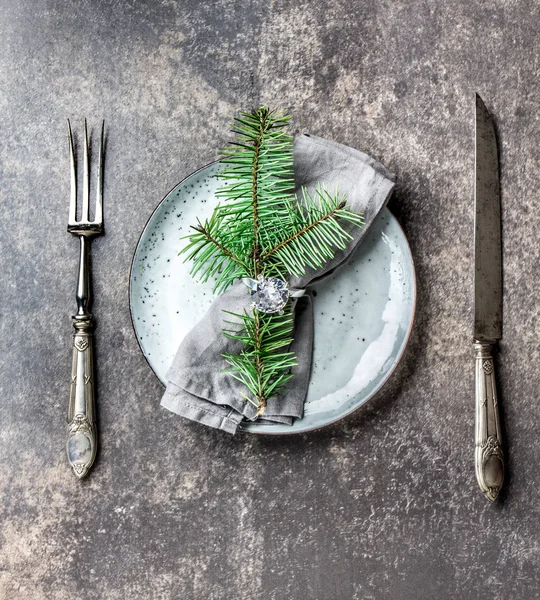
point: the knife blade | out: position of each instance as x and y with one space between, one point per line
487 244
489 458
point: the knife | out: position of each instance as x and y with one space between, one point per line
489 458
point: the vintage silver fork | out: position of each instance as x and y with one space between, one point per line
81 444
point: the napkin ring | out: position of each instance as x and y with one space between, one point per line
270 294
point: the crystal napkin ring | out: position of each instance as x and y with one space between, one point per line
270 294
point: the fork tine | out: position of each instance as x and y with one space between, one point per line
73 196
99 193
85 217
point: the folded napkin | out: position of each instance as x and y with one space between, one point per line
197 386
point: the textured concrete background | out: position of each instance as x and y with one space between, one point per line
381 506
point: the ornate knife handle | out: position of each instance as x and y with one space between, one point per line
489 459
81 444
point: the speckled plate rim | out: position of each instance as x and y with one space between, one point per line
347 413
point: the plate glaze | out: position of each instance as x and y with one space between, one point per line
363 314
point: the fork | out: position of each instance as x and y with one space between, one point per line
81 443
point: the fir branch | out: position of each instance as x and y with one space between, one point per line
315 235
204 230
306 229
265 362
259 177
209 250
261 228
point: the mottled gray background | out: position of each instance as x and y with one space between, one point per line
381 506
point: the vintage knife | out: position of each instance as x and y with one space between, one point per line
489 459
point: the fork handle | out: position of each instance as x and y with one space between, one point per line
489 458
81 444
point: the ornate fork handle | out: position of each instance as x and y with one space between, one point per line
81 444
489 458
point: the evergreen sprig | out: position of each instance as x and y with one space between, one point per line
264 365
261 228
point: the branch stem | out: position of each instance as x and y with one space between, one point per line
261 399
255 193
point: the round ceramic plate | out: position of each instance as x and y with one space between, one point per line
363 315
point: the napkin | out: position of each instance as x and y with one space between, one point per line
197 387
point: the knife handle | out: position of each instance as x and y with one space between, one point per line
81 443
489 458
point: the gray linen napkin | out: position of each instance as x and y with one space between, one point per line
197 387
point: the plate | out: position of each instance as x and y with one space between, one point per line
363 314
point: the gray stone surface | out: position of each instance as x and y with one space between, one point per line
381 506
